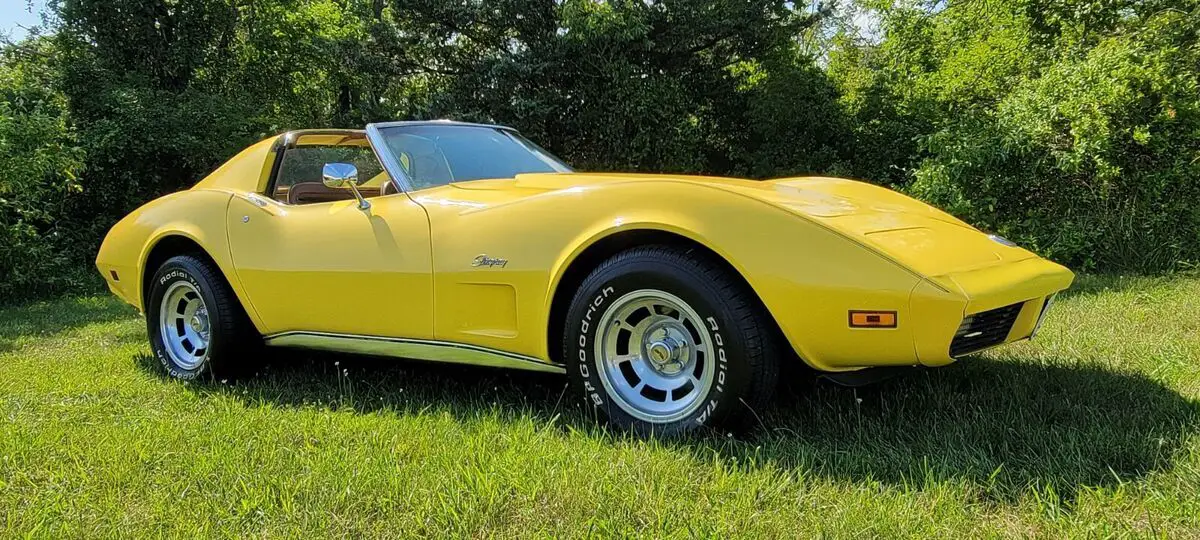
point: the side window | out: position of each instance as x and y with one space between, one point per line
298 180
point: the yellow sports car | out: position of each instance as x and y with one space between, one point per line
671 302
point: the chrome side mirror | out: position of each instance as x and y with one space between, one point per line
337 175
341 175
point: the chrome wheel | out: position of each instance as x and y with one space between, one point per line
654 355
184 325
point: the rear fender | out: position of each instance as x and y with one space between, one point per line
198 215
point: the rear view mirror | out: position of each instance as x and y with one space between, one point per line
342 175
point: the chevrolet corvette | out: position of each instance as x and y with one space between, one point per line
670 302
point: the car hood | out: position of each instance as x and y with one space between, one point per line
917 235
913 233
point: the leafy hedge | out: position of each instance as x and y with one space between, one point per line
1077 138
40 163
1069 126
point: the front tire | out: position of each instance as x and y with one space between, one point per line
666 340
195 323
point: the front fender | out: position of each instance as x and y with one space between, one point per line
808 276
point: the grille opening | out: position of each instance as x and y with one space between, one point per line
985 329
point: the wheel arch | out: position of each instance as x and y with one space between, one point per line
577 268
173 243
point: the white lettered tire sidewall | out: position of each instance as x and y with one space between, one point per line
176 269
618 277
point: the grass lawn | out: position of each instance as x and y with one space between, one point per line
1092 430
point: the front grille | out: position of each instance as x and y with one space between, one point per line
984 329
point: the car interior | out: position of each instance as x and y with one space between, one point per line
298 180
425 153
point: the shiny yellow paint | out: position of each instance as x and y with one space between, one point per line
331 267
198 215
246 171
812 249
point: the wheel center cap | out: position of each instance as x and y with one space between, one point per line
199 322
660 352
664 355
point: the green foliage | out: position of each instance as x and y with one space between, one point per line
689 86
160 92
164 92
1095 161
1069 125
40 163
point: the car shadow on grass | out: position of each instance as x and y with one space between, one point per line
1005 426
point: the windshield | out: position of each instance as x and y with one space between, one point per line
433 155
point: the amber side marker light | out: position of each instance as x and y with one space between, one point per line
872 319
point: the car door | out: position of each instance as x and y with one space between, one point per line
319 262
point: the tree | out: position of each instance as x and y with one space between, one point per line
40 162
1070 127
688 86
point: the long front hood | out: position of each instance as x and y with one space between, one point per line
914 234
919 236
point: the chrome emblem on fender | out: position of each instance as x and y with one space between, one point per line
484 260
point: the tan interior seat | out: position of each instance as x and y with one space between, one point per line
317 192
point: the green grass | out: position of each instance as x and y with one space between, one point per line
1092 430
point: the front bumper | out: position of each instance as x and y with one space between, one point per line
970 311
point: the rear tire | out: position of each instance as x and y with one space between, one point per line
663 340
196 324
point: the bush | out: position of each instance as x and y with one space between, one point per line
1069 127
1095 161
40 163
